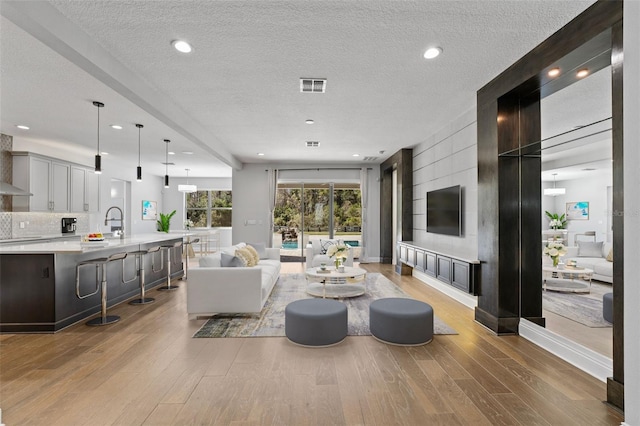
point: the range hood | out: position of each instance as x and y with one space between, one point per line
8 189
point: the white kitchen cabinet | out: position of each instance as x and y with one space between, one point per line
47 179
85 187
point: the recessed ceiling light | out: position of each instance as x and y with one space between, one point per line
309 121
582 73
261 154
187 152
104 153
553 72
356 155
588 169
116 126
432 52
181 46
171 153
22 126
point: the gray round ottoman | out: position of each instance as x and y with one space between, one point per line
607 307
401 321
315 322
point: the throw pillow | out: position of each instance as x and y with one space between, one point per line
610 255
261 249
246 256
210 261
227 260
589 249
325 244
254 253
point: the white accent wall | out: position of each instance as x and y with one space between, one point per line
446 159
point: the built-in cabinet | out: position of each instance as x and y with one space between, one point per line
56 185
48 181
85 186
459 273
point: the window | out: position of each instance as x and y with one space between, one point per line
209 209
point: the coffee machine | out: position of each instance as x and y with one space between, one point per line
69 225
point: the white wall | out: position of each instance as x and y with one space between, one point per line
592 189
631 211
445 159
251 203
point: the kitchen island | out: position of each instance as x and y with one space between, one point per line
38 280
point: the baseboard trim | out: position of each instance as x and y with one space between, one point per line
466 299
593 363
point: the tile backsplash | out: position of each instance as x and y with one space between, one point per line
38 224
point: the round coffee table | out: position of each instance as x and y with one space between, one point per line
336 285
567 279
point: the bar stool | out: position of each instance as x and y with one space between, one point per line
101 272
139 254
186 255
167 249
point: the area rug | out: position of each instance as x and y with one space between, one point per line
585 309
290 287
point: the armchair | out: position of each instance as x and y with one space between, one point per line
316 254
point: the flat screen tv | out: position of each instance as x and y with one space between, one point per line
444 211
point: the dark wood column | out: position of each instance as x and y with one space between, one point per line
402 161
509 211
615 384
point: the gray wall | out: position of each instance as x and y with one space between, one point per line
251 203
445 159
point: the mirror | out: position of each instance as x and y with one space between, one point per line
577 152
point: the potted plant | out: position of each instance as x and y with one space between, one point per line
165 221
555 221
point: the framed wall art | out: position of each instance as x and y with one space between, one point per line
578 210
149 210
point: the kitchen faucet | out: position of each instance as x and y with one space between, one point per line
106 219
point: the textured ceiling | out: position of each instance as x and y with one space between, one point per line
237 94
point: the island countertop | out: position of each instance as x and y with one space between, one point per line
71 246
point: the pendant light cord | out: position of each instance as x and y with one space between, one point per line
98 130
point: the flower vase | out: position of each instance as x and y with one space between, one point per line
338 263
555 259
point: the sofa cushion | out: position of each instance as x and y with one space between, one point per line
589 249
603 268
210 261
226 260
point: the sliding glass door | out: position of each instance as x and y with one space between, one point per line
308 211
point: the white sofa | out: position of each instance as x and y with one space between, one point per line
315 254
592 256
214 289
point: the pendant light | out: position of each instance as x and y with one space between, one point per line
98 161
166 165
554 191
139 171
187 188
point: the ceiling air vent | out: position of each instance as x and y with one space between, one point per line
312 144
168 164
370 158
313 85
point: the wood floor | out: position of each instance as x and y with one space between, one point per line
146 369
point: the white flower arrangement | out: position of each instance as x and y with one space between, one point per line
554 250
188 223
339 251
555 224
